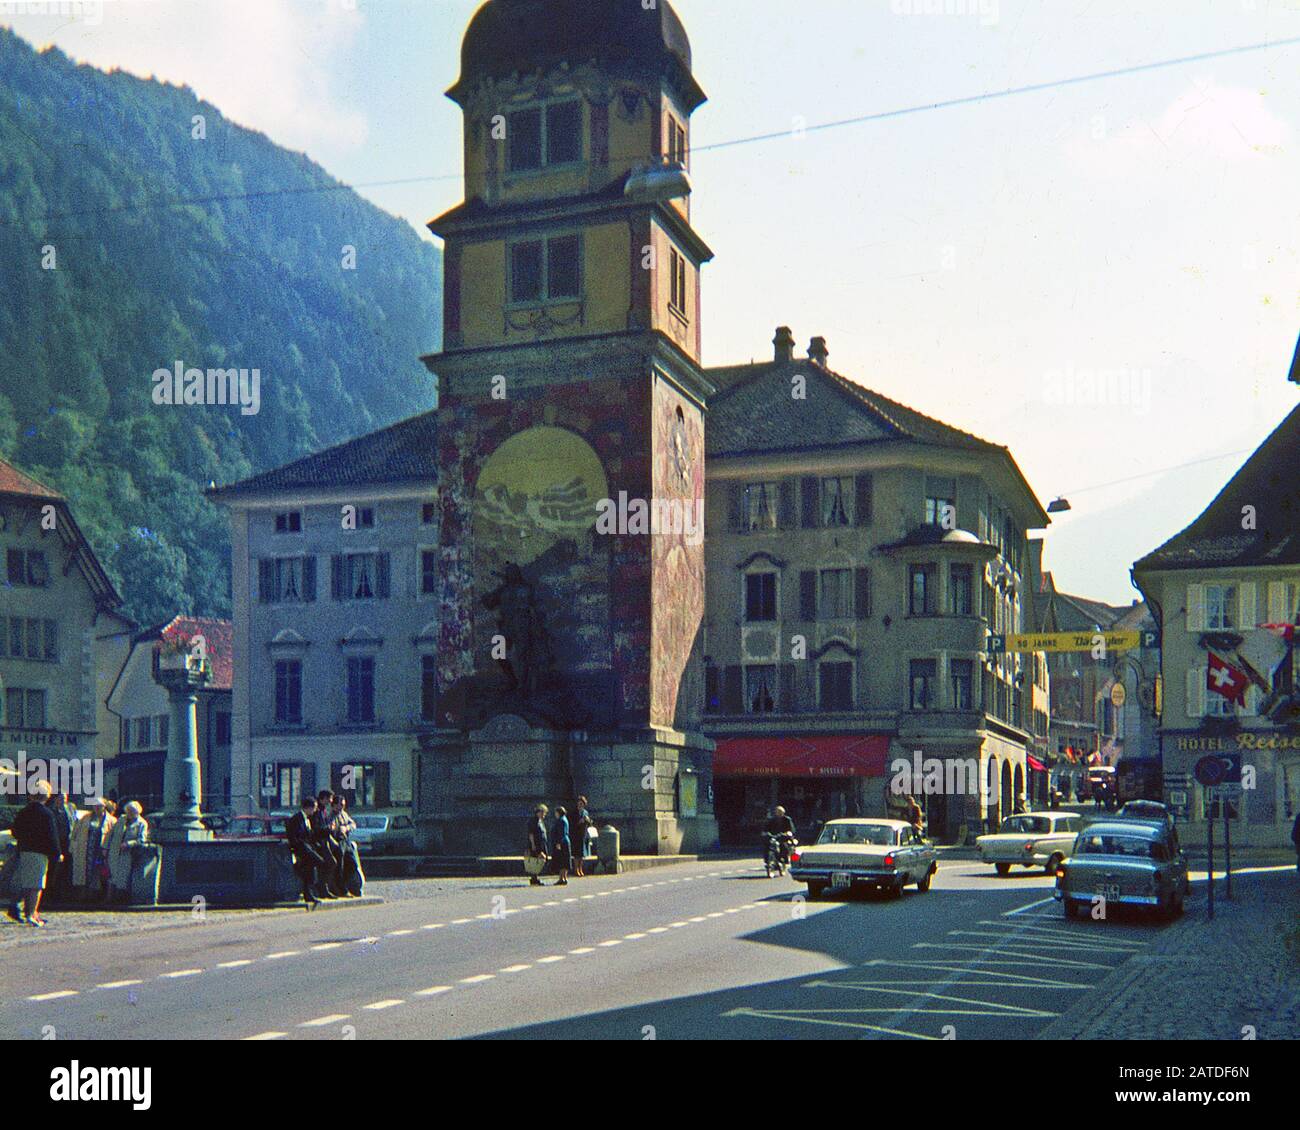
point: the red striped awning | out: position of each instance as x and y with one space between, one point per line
816 755
1035 764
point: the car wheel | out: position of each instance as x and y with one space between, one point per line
923 883
1003 868
1070 907
1054 863
815 890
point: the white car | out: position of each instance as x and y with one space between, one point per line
884 854
1031 839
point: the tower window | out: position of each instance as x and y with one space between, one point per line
677 292
676 141
542 269
537 138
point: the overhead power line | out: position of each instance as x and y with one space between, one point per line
820 127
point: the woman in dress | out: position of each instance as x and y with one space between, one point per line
561 849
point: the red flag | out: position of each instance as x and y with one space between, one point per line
1227 680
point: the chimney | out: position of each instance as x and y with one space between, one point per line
784 344
817 351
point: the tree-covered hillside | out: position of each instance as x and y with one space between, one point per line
100 286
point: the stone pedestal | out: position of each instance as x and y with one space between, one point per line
478 789
182 777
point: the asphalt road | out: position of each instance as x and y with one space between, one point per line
704 950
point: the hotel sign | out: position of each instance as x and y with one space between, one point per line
1235 743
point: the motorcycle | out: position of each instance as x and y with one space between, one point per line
779 848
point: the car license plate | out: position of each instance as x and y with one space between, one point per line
841 879
1109 891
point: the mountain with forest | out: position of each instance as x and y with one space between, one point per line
140 230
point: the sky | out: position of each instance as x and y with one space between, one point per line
1103 275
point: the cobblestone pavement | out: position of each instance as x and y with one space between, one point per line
1236 977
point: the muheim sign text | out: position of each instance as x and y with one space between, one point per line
26 738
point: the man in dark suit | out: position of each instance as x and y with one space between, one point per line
298 829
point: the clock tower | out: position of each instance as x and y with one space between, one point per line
569 566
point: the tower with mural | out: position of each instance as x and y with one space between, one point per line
571 436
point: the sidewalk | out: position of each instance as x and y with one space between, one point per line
1203 980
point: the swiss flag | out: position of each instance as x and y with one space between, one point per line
1227 680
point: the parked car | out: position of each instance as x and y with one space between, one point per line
880 854
1030 839
383 832
258 826
1151 810
1125 862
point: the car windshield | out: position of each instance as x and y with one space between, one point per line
881 834
374 823
1100 844
1019 825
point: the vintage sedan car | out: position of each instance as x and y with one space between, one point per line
856 853
378 833
258 826
1030 839
1124 862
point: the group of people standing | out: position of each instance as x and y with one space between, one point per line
325 856
554 847
65 854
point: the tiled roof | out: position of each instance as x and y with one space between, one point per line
404 452
13 481
217 634
1091 612
756 413
1269 481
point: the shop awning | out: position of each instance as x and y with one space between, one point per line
817 755
1035 764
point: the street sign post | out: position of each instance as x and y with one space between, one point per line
1220 773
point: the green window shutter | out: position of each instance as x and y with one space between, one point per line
787 510
862 500
807 595
266 580
732 695
862 592
383 576
810 492
789 701
736 507
309 578
382 784
336 576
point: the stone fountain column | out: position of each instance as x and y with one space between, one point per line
182 675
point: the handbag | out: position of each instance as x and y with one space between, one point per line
534 864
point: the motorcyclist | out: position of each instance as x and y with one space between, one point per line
779 835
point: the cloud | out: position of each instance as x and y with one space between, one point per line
1206 122
266 64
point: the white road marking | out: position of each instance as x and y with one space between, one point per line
282 953
1027 906
184 973
715 914
433 991
326 946
399 933
583 949
268 1036
379 1006
611 942
677 925
433 926
657 930
237 963
54 996
549 960
633 937
478 979
321 1021
118 984
460 921
514 968
697 918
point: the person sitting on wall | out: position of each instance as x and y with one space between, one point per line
306 859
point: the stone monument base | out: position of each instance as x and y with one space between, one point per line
221 873
476 789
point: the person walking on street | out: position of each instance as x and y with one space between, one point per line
1295 839
537 844
561 848
298 831
583 824
37 838
127 833
65 817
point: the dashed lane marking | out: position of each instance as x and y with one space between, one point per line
268 1036
433 991
282 953
118 984
379 1006
321 1021
514 968
478 979
54 996
550 960
326 946
184 973
236 964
